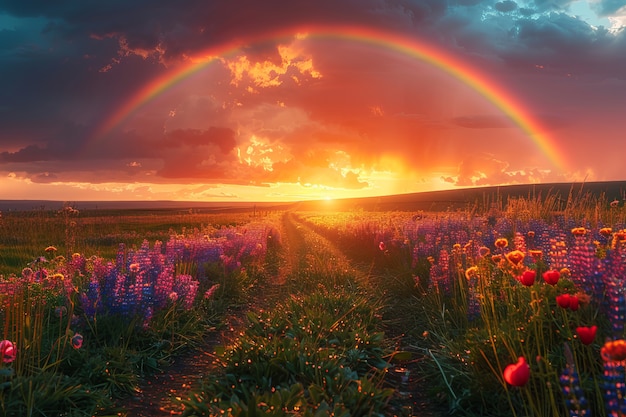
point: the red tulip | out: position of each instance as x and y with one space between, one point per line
563 300
586 334
528 278
573 302
7 351
517 374
551 277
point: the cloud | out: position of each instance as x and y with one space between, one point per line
301 110
505 6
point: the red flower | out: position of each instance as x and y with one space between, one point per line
382 246
563 300
586 334
517 374
551 277
528 278
574 302
77 341
7 351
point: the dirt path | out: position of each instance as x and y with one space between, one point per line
303 252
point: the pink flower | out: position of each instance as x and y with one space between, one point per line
517 374
382 246
211 291
7 351
77 341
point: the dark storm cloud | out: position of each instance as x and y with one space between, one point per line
505 6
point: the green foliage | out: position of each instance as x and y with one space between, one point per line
311 355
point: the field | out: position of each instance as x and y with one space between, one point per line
492 302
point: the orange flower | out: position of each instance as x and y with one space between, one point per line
483 251
530 234
614 350
501 243
606 231
515 257
583 299
536 253
471 272
579 231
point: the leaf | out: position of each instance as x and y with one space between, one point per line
402 356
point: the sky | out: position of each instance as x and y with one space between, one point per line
247 100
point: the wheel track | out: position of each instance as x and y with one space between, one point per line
303 253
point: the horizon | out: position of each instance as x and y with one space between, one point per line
306 101
612 190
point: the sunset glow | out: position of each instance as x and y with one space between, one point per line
326 106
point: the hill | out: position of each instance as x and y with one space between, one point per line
428 201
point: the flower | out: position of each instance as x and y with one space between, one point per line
614 350
536 253
517 374
211 291
528 278
563 300
51 249
483 251
515 257
586 334
579 231
7 351
501 243
77 341
382 246
606 231
568 301
551 277
471 272
173 296
496 259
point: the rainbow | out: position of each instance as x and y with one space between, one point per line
431 54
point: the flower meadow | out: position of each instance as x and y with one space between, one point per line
517 310
514 314
78 332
